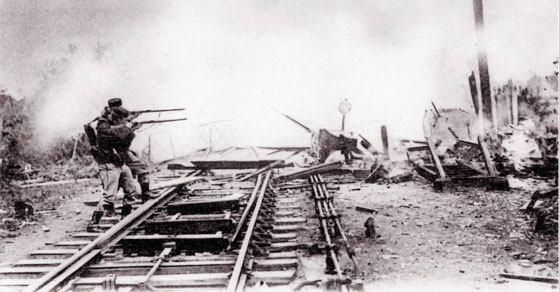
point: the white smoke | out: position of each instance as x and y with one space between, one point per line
240 60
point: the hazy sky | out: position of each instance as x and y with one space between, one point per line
245 60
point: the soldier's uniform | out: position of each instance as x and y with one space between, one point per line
139 168
113 143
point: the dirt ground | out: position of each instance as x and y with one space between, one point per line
63 212
427 241
460 240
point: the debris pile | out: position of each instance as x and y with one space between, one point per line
519 149
526 139
543 207
388 172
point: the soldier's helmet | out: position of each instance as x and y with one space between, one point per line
114 102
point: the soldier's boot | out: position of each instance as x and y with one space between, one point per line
126 210
145 192
330 266
143 179
109 210
97 215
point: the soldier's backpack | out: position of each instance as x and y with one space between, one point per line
92 138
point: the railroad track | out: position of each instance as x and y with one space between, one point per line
214 235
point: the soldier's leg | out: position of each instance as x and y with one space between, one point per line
127 183
140 169
143 179
109 175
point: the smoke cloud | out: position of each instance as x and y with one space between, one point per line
245 60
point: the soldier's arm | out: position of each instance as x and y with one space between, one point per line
123 136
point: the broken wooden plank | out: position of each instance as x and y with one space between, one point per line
487 157
175 182
530 278
364 209
312 170
418 148
426 172
263 169
471 144
72 243
231 164
384 136
180 166
435 157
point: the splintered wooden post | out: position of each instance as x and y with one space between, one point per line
435 157
487 157
514 103
473 91
508 102
384 135
482 63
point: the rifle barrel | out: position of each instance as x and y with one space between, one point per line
157 111
161 121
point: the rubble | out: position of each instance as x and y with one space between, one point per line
543 208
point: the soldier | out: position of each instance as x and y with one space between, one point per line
139 168
113 103
113 139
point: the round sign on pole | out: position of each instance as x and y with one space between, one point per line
344 107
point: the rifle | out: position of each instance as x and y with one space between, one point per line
135 114
138 124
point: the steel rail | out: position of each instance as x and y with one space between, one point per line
324 224
246 211
236 274
350 251
66 269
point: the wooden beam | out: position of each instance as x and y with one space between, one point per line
473 91
514 103
418 148
306 172
435 157
487 157
384 136
530 278
232 164
486 103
